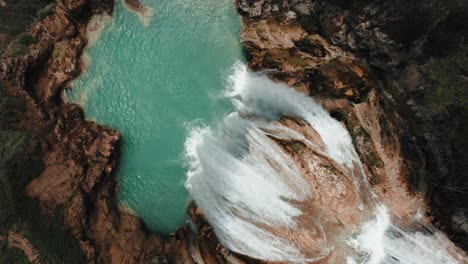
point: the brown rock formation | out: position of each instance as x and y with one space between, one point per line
313 64
336 51
78 155
335 207
135 5
18 241
413 56
363 46
144 13
306 61
323 48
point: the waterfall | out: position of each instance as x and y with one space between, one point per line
252 191
387 243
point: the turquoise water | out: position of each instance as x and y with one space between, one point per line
151 83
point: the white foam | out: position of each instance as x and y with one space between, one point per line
256 94
245 183
242 180
384 243
95 27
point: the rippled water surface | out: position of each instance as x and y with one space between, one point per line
151 82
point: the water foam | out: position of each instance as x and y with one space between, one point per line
257 95
246 184
242 180
386 243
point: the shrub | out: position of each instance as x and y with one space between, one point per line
448 81
18 212
19 45
14 48
11 255
26 39
45 11
8 107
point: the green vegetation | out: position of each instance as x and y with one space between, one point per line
26 39
20 156
332 169
7 117
45 11
297 62
446 100
18 165
9 256
374 160
448 79
297 146
14 172
19 45
18 15
310 23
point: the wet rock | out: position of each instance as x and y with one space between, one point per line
78 156
75 7
376 56
304 60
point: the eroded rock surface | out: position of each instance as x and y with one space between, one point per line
379 59
341 52
78 156
345 54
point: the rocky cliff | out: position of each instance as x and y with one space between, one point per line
372 64
77 156
397 69
393 72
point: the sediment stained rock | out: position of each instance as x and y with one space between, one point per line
18 241
334 54
306 61
78 156
329 49
344 53
144 13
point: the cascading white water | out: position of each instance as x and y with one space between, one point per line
248 186
387 243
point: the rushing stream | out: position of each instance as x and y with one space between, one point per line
263 201
258 173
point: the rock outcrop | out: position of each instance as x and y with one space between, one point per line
78 156
144 13
18 241
373 59
354 57
313 63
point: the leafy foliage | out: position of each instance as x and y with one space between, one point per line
45 11
18 165
8 256
19 45
446 100
449 81
18 15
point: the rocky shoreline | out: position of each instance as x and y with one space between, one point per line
135 5
341 53
78 156
144 13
